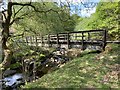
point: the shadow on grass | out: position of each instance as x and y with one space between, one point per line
90 52
56 89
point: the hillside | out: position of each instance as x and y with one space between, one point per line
92 70
105 17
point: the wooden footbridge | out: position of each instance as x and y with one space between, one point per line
78 38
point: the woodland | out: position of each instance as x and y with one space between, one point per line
23 19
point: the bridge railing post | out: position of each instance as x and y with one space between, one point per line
26 40
42 41
30 40
36 41
88 36
68 40
82 41
58 40
104 40
49 40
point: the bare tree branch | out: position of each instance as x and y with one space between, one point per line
22 34
14 10
36 10
3 12
26 4
18 11
18 18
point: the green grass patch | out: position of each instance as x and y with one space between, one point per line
89 71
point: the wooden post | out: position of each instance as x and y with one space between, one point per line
50 44
58 40
36 41
82 41
26 40
88 36
42 41
104 40
75 36
68 40
48 40
30 40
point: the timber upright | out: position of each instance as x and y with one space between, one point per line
104 40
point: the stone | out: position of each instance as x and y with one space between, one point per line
9 73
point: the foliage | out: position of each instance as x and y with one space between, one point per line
54 21
88 71
15 65
106 17
84 23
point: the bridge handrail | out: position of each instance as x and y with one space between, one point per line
68 37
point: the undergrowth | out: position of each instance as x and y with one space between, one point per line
92 70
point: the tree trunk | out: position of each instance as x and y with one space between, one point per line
7 53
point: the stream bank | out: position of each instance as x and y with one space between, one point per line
35 65
32 68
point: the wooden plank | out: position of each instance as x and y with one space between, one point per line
51 35
86 31
116 42
80 42
79 36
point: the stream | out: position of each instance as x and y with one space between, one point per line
14 79
12 82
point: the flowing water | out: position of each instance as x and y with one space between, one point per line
13 82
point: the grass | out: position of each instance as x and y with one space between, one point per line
89 71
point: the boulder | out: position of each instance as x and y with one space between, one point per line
9 73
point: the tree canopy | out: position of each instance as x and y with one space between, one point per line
55 20
105 17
